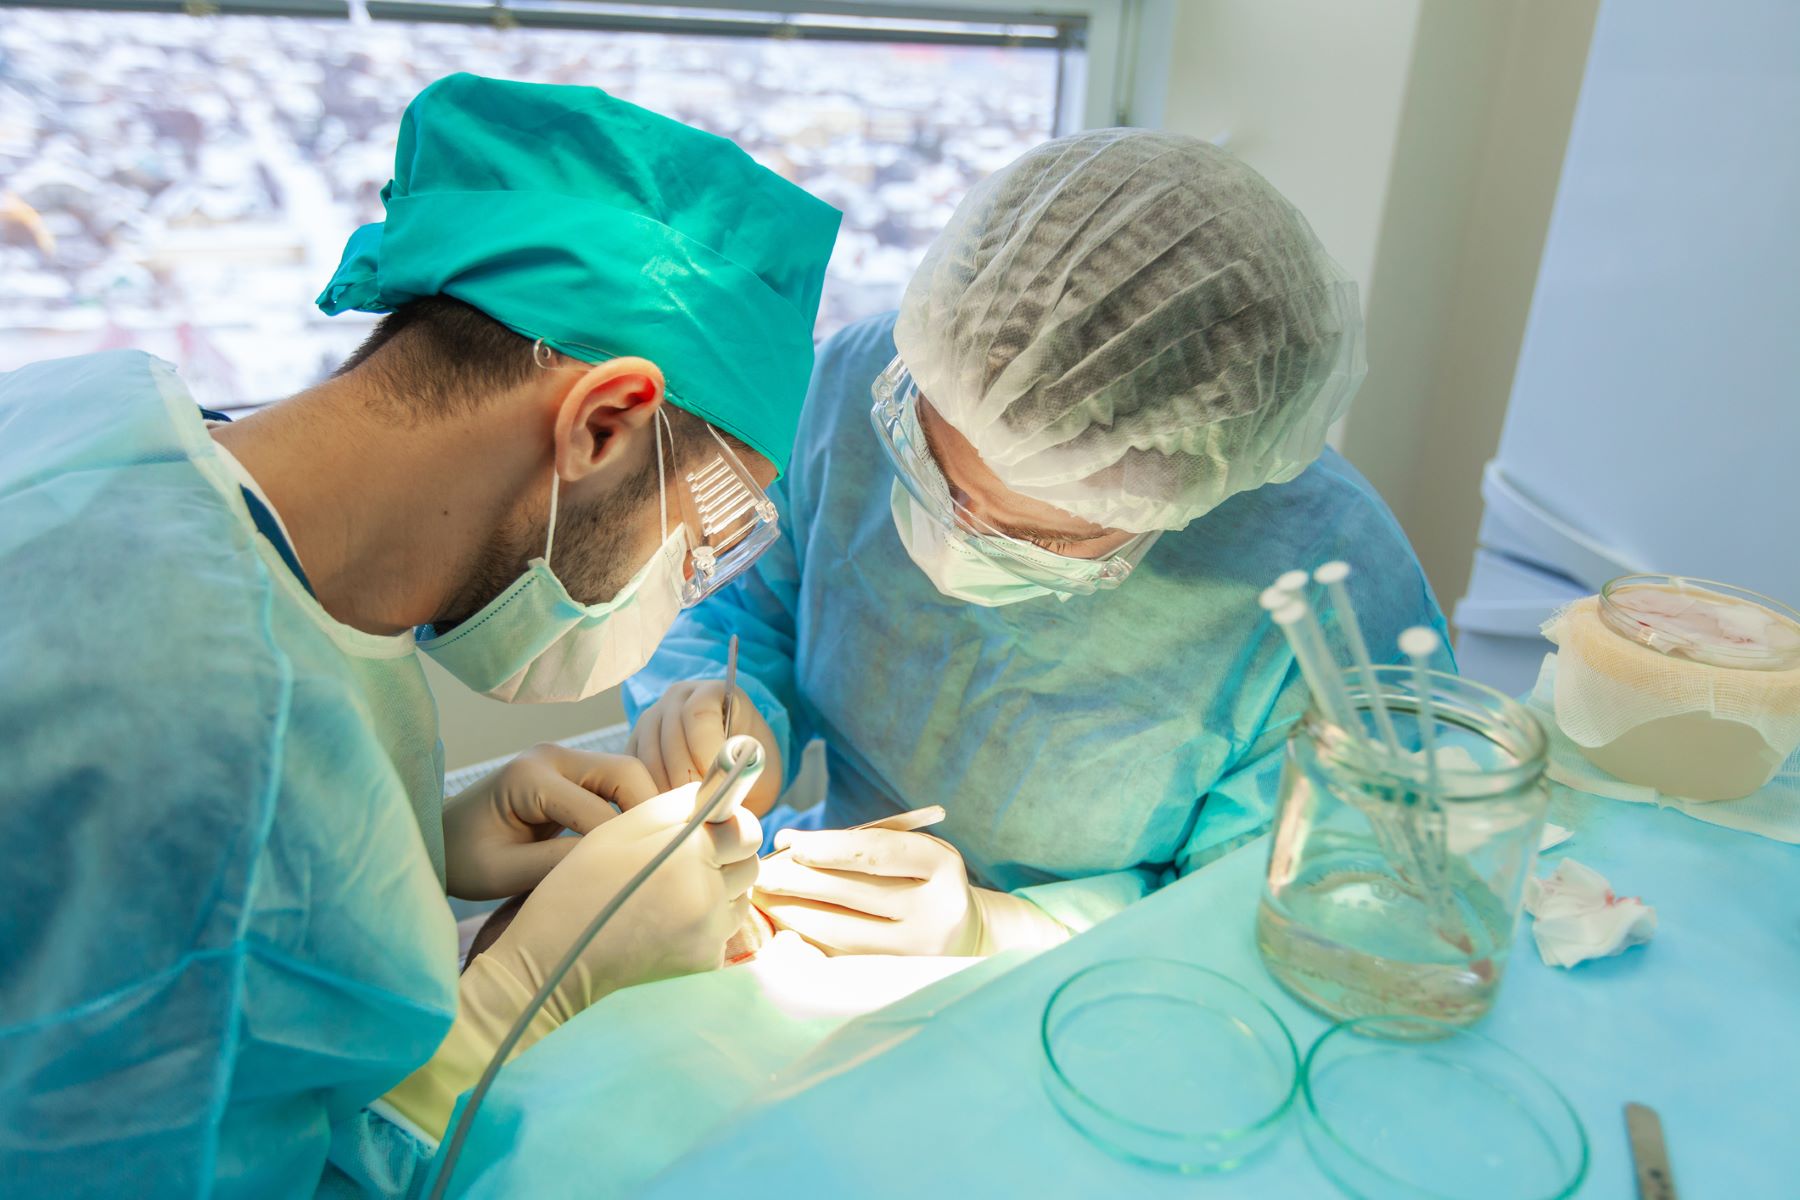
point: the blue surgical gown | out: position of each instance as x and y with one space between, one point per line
1087 750
223 931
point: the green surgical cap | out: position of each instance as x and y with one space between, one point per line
606 230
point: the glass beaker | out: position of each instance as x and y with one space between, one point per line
1391 889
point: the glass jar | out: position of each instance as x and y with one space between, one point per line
1393 888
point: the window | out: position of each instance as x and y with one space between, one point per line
185 184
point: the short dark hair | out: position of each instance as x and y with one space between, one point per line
440 357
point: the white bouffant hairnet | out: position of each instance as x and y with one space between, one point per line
1133 326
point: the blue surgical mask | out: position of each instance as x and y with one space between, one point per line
957 572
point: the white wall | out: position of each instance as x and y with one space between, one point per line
1491 99
1423 139
1309 92
475 728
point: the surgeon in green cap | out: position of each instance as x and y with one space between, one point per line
222 910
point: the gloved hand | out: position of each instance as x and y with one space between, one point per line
883 891
501 834
679 736
676 924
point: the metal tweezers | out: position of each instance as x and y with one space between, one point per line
730 683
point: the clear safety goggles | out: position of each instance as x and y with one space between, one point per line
729 519
896 420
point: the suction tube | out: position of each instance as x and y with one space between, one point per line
727 782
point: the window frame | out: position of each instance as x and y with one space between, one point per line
1095 88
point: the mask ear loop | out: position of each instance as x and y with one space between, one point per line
543 356
550 537
662 480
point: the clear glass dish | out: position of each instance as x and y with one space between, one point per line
1459 1117
1703 621
1169 1064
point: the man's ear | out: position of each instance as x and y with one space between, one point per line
606 401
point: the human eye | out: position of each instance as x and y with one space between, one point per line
1062 548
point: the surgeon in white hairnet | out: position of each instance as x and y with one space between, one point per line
1027 523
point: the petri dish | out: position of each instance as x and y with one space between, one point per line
1444 1115
1703 621
1168 1064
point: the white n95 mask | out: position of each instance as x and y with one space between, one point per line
956 572
535 644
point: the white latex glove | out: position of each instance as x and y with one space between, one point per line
676 924
501 834
883 891
679 736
